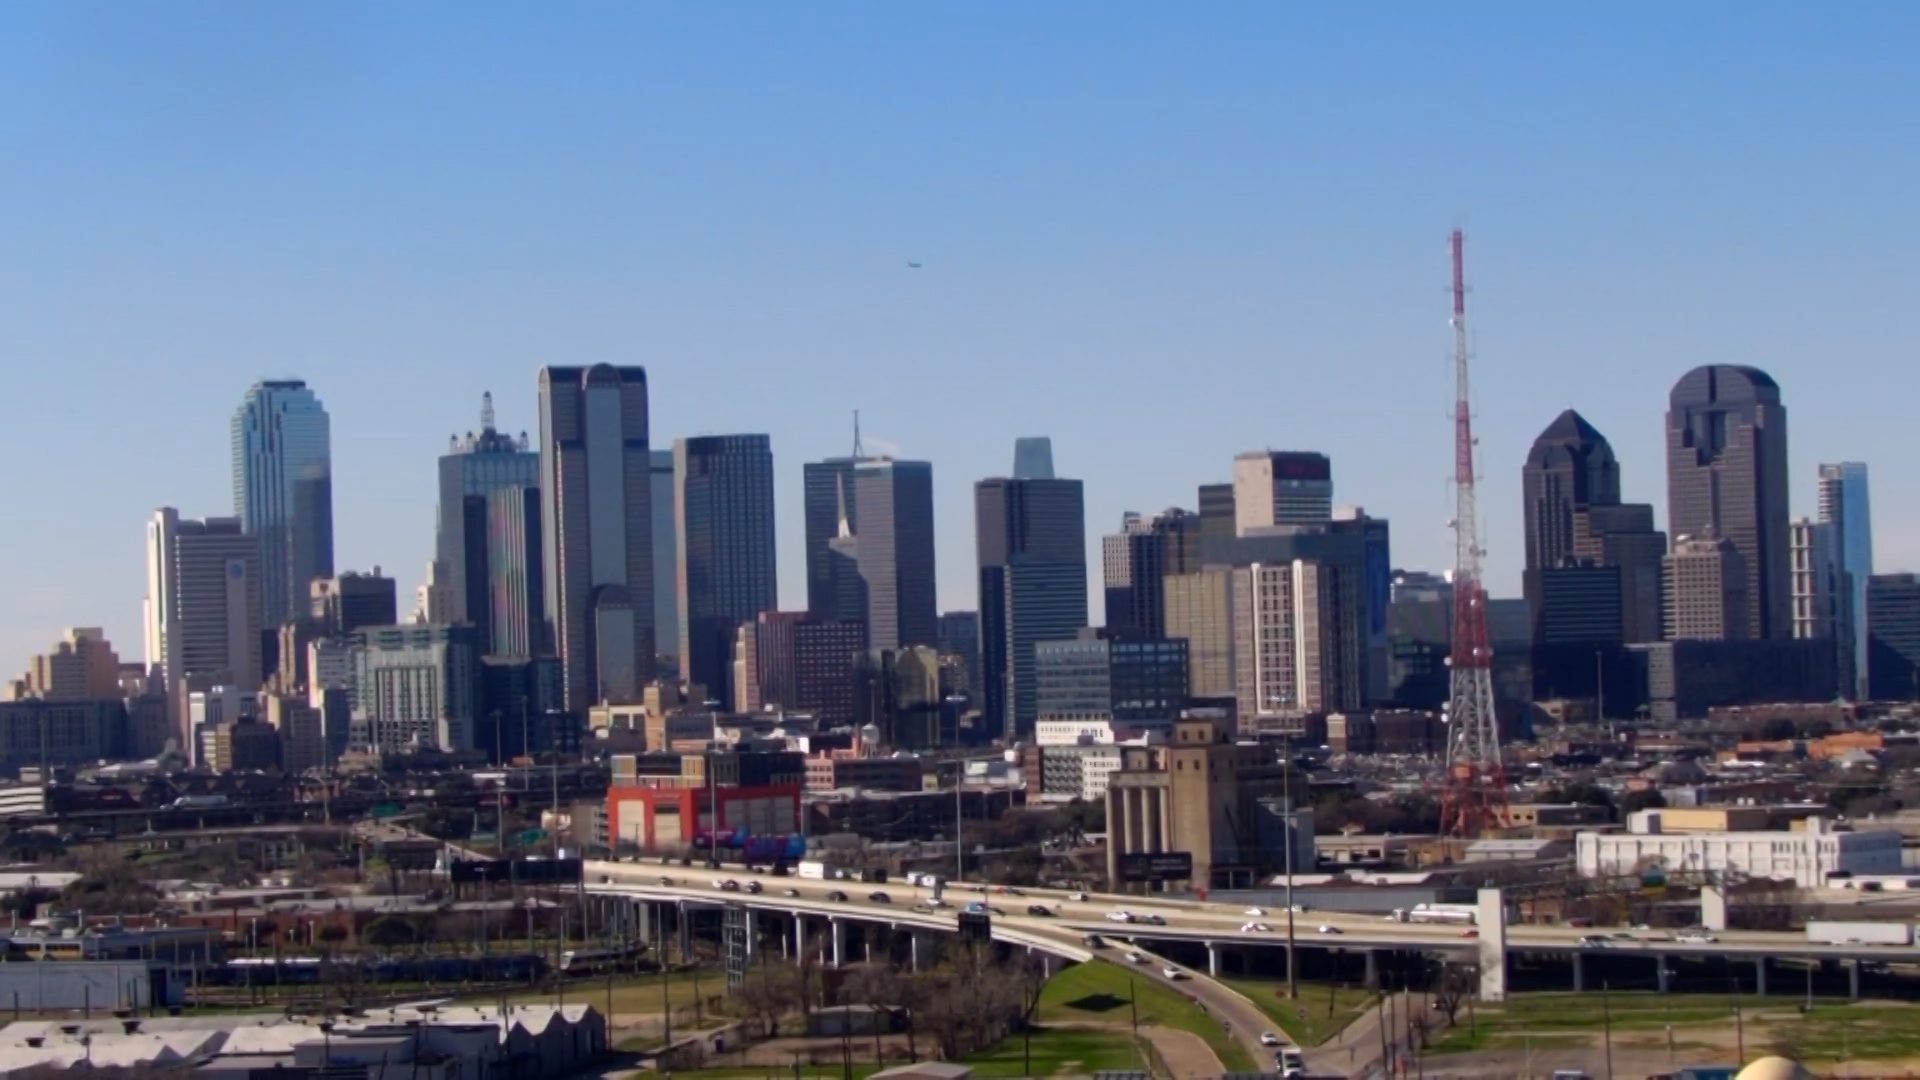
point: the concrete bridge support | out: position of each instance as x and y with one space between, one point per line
838 931
1760 976
1579 972
1373 969
1662 973
1492 922
1213 959
1853 979
921 950
684 920
753 935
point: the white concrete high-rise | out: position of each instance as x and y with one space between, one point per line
283 491
203 606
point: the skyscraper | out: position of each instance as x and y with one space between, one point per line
666 561
1727 473
1033 458
1844 505
283 491
1217 523
516 580
1706 590
1136 560
1031 545
1574 518
831 507
1281 487
596 530
893 545
1290 656
203 606
723 502
474 467
1818 583
1893 636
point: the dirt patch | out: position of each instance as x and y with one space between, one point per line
1185 1054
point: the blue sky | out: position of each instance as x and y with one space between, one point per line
1159 233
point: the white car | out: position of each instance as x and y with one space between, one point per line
1077 897
1301 909
1256 928
1329 928
1135 956
1120 916
1696 939
936 902
1268 1038
1173 973
1256 912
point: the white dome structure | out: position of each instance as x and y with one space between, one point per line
1774 1068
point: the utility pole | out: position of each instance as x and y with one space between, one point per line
1286 790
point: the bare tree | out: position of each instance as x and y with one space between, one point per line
1455 985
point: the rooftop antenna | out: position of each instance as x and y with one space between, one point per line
486 411
858 450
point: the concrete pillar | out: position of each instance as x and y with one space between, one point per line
1213 960
1760 976
1661 974
753 935
1853 979
1130 820
800 938
1713 908
915 943
1164 798
866 943
1579 973
838 933
1491 918
1150 820
686 932
1373 969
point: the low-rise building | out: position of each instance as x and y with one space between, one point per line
835 772
1203 804
1808 856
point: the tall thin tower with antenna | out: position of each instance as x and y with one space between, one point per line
1475 797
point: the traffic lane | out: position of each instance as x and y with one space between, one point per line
1242 1019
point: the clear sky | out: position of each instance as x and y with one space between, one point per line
1160 233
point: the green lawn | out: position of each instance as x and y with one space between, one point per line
1107 993
1329 1008
1836 1029
633 995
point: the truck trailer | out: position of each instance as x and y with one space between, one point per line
1833 932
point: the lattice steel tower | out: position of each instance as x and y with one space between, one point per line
1475 795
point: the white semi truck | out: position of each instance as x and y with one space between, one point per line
1833 932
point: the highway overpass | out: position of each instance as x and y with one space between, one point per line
1212 934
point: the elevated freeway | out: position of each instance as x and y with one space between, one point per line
1220 929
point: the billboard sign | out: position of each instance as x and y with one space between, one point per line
1155 866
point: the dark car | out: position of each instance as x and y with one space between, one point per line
1041 910
754 887
837 896
879 898
1094 941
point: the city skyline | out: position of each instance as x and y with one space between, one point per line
1171 232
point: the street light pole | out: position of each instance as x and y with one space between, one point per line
959 847
1287 833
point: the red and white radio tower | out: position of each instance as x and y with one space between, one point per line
1475 796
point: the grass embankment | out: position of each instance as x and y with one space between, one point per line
1104 993
1328 1008
1054 1052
